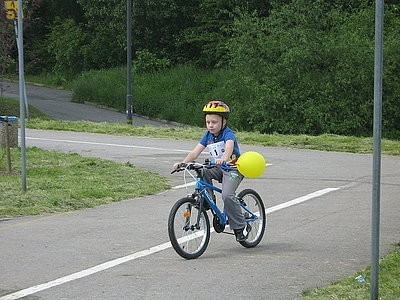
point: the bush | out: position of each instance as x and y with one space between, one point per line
65 45
302 70
179 94
174 94
147 62
104 87
312 69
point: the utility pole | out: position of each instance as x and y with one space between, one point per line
376 161
129 96
22 108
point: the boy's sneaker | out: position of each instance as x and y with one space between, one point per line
243 233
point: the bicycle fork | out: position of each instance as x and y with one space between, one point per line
188 217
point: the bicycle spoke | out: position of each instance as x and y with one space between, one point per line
189 232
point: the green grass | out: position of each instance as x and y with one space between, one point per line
45 79
59 182
10 107
326 142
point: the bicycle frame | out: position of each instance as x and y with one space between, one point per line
201 186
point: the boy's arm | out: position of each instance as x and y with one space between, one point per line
192 155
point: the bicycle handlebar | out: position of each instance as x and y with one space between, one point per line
207 165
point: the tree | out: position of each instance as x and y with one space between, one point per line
8 41
313 65
66 43
42 15
206 39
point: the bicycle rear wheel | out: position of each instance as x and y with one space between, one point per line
188 228
254 211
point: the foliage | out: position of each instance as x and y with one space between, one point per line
157 27
172 94
104 87
311 66
286 66
181 31
207 37
7 43
147 62
178 94
391 84
105 25
8 33
65 45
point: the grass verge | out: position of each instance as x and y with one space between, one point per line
60 182
326 142
10 107
351 288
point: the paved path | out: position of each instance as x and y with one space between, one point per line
319 213
57 103
121 251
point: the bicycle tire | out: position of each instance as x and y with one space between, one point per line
187 240
255 204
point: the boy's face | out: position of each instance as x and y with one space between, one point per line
214 123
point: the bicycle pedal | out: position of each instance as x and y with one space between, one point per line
218 227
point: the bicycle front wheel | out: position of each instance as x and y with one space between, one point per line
188 228
254 211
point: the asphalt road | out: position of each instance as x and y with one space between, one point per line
319 230
57 103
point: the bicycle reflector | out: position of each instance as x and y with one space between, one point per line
251 164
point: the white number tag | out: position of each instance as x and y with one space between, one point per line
216 150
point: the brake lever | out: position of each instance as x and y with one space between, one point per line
180 168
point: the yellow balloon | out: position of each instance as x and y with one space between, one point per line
251 164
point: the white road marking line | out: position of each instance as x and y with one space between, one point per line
143 253
115 145
84 273
184 185
106 144
300 200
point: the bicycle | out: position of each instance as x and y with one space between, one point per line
189 224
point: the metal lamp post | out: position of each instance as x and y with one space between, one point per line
129 96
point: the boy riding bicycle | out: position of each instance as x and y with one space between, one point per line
222 145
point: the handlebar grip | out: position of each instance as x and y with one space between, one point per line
225 165
180 167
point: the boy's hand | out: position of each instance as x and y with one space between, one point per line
219 161
176 165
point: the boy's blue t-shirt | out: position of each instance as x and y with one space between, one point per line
225 135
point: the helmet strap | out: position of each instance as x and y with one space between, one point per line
223 124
